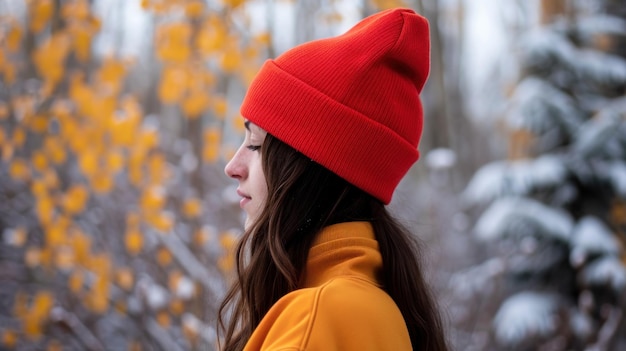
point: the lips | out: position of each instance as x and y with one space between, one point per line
244 198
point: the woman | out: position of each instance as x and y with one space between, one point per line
331 127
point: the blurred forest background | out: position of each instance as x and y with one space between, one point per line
118 116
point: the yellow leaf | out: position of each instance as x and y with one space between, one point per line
231 61
9 71
98 298
102 182
164 257
125 279
194 9
56 232
9 338
163 319
40 13
228 240
238 124
81 244
135 176
177 307
38 188
39 160
82 36
264 38
76 281
132 220
4 110
124 128
158 170
115 161
145 4
14 37
37 315
44 207
49 58
76 10
163 221
112 74
50 178
88 162
54 149
202 236
220 106
19 170
38 124
192 208
233 3
194 104
212 36
172 80
75 199
211 149
134 241
153 199
172 42
32 257
19 137
64 258
42 303
148 138
387 4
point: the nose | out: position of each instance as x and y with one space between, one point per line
235 168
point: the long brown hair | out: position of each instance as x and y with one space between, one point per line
303 198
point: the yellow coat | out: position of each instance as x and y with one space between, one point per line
341 305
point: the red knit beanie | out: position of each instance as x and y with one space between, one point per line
351 103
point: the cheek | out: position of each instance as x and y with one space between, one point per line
260 184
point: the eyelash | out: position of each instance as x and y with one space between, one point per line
253 147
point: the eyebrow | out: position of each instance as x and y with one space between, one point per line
247 124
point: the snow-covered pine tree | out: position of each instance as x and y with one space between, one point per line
556 209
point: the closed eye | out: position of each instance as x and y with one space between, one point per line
253 147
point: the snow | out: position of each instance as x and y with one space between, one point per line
617 177
592 236
601 23
544 46
440 158
514 178
538 106
526 315
520 215
477 279
594 133
605 271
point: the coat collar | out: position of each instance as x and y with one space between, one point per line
347 250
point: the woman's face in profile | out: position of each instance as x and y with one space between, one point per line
246 168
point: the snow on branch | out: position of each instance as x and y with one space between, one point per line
590 26
605 271
512 216
526 315
547 46
539 106
592 236
514 178
594 133
617 177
